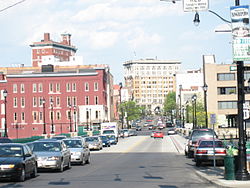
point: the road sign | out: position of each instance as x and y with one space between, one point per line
241 49
233 68
245 111
212 119
195 5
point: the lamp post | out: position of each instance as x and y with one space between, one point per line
75 118
180 88
70 119
120 93
205 87
87 118
187 112
52 116
44 123
5 93
90 125
194 97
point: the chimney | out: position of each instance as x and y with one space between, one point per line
66 39
46 37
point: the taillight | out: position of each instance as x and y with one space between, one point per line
220 151
201 152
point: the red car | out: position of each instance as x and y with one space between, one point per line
158 134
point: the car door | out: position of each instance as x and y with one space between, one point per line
65 153
29 164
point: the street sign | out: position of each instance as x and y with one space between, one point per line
233 68
195 5
245 111
212 119
241 49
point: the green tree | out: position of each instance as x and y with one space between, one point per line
170 104
200 114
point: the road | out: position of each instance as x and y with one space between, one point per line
138 161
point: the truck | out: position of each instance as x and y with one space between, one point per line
109 128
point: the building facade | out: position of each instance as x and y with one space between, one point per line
150 80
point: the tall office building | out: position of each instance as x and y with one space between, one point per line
150 80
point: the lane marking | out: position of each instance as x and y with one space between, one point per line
135 145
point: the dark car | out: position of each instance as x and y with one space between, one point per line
195 135
17 161
59 137
105 141
5 140
112 139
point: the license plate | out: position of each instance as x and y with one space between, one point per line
210 152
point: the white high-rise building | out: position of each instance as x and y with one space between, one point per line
150 80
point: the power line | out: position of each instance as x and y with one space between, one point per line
19 2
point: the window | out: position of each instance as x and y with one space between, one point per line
40 101
50 87
68 87
86 86
57 101
34 88
225 76
68 101
14 88
69 114
58 87
96 114
96 100
34 116
40 116
23 116
74 101
227 105
96 86
40 87
15 116
22 102
34 101
74 87
87 100
226 90
22 88
14 102
58 115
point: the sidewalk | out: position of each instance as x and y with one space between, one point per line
215 176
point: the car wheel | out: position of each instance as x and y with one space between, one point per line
34 173
21 178
61 167
69 164
88 160
197 163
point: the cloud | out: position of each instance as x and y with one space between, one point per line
100 40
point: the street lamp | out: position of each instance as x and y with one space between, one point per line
194 97
87 118
52 116
180 88
70 121
75 118
205 87
44 123
5 93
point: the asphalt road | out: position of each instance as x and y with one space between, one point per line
139 161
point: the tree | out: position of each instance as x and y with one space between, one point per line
170 104
200 114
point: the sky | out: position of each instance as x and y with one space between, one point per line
115 31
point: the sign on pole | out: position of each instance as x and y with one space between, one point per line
212 119
195 5
240 32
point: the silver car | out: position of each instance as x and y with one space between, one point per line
52 154
94 142
79 150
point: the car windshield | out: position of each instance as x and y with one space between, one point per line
10 151
111 136
73 143
209 144
91 139
104 138
47 146
108 132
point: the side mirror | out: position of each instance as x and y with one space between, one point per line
27 155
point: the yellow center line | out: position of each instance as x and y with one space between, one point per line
135 145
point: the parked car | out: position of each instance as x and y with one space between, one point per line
94 142
79 150
171 131
52 154
112 139
59 137
195 135
206 151
125 132
17 161
158 134
5 140
105 141
132 133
